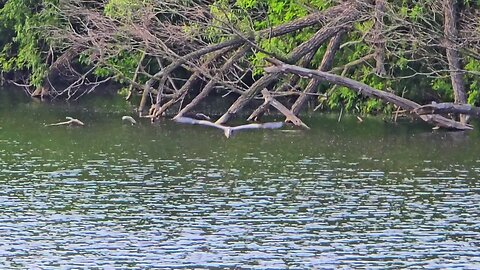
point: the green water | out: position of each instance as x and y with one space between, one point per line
346 194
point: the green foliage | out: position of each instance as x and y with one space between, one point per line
24 48
473 65
342 97
122 66
443 87
124 91
124 10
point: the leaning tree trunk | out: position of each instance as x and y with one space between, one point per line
453 55
326 65
378 39
62 63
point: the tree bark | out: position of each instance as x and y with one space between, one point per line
290 83
327 63
135 76
378 39
290 117
237 41
208 88
453 55
443 108
60 64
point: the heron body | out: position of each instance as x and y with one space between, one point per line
228 131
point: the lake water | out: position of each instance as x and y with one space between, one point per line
342 195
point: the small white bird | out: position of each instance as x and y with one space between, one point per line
228 131
129 119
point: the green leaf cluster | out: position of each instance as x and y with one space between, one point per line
24 46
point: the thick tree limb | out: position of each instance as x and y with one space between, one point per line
291 82
443 108
159 110
326 65
290 117
366 90
208 88
453 56
237 41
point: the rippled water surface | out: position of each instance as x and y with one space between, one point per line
343 195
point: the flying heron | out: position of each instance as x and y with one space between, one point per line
228 131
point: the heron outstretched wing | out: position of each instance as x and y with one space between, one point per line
191 121
269 125
226 129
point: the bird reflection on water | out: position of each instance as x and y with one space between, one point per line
229 131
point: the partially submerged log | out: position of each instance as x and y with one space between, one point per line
227 130
366 90
444 108
71 122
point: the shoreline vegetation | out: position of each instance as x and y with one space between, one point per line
418 59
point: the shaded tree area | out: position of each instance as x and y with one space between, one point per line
360 56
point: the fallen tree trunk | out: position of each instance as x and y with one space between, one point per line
444 108
290 117
365 90
291 83
209 87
